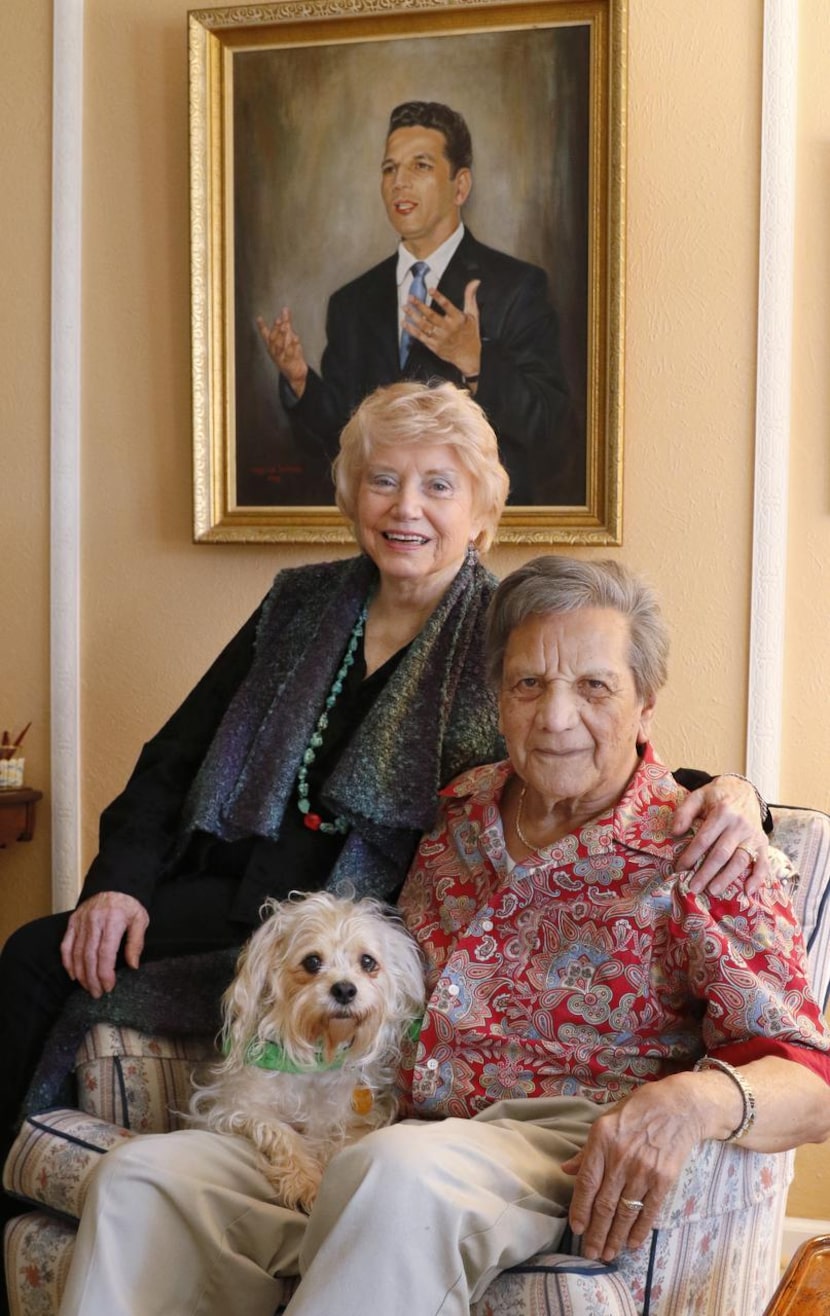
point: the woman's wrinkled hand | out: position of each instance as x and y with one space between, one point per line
94 934
730 840
633 1155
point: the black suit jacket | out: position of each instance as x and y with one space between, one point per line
521 386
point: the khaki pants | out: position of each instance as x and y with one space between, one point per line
417 1217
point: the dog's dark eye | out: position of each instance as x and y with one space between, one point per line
368 964
312 963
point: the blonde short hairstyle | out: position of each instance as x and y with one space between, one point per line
409 413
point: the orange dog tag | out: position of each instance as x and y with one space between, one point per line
362 1101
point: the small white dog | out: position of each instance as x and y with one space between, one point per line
325 993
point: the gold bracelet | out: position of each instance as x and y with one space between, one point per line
748 1117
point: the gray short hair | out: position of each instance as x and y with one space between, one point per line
409 414
554 584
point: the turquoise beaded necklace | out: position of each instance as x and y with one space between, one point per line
339 827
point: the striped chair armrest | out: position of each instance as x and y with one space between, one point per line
53 1157
38 1250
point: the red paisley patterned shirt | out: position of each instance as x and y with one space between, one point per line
592 969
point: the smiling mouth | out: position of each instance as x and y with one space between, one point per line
399 537
404 207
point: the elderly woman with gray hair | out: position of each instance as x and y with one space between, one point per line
590 1017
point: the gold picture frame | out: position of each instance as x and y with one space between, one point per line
288 111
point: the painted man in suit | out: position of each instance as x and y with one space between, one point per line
483 319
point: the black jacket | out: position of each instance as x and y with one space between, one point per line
521 385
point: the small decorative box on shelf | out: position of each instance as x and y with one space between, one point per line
17 814
11 770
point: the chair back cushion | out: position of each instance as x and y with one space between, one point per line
138 1081
804 836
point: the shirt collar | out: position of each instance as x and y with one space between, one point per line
640 820
437 260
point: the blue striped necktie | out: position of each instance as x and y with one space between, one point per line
420 270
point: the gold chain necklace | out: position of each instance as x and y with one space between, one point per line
517 823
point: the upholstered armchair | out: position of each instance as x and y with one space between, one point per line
716 1251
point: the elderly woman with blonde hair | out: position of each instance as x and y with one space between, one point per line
311 753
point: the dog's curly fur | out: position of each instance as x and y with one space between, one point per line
326 978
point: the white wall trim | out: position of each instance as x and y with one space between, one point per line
67 193
798 1230
773 395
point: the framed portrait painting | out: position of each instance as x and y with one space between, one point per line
306 206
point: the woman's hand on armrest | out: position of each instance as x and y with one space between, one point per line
94 934
629 1164
634 1154
730 833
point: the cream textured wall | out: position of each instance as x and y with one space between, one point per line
156 608
806 740
693 170
25 199
806 749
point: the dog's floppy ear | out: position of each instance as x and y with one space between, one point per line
255 985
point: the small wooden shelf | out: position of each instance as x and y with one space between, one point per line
17 814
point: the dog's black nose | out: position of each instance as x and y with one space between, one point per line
343 992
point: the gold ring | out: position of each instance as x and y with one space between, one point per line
752 854
633 1203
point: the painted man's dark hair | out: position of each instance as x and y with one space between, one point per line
432 114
